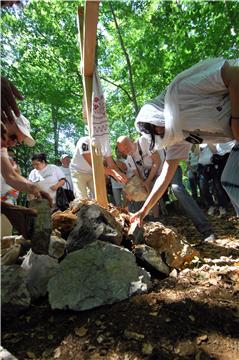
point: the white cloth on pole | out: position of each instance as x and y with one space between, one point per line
100 130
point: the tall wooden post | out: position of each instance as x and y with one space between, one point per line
87 27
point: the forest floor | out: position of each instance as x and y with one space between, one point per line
193 314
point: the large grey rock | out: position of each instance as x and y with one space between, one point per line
99 274
40 239
150 257
94 223
14 294
40 269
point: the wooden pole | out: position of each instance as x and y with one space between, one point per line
87 28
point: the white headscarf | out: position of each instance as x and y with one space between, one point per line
165 112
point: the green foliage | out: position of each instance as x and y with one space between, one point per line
162 38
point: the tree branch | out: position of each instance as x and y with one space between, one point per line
118 86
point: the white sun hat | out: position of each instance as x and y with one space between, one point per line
24 126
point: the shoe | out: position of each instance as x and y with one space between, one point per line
222 211
209 238
211 210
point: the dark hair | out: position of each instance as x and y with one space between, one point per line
148 129
39 157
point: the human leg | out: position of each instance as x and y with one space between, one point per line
192 183
80 183
230 178
189 205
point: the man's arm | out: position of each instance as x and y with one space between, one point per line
154 169
114 171
18 182
160 186
230 76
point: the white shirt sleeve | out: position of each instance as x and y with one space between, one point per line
58 172
84 145
178 151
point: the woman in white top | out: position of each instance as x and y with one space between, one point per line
48 177
200 105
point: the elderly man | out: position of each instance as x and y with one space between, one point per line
153 160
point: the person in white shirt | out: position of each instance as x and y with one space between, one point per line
65 160
143 162
81 169
48 177
200 105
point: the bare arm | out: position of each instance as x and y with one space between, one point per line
114 171
160 186
230 76
18 182
58 184
154 169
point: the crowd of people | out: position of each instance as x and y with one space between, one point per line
196 118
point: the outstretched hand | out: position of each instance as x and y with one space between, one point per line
137 217
40 194
9 94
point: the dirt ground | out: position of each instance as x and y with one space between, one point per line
193 314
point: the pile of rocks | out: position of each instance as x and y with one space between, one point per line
88 257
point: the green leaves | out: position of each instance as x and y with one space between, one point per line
162 38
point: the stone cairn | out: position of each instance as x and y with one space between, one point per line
87 256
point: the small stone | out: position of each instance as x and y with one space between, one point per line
82 331
201 338
133 335
154 313
147 349
174 273
100 339
191 317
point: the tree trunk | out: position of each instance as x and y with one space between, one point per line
54 114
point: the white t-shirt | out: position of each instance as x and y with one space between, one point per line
78 163
205 155
67 173
47 177
141 159
204 107
225 148
193 159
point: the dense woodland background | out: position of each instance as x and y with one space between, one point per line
142 45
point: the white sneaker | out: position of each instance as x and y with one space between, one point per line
222 211
211 210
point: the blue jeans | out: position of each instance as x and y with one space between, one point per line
193 182
230 177
189 205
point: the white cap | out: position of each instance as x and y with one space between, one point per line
63 156
24 126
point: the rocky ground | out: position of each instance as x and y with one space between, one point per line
193 314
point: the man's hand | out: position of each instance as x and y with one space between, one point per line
119 176
39 194
54 187
9 93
